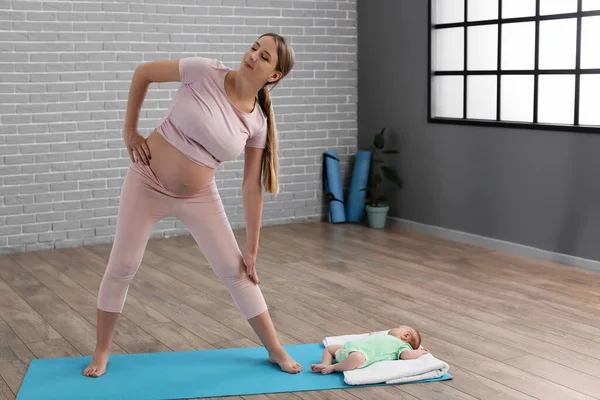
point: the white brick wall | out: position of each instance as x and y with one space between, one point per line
65 69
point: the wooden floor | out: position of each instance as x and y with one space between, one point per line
509 327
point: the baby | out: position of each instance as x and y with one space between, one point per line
400 343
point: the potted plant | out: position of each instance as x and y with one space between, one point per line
376 206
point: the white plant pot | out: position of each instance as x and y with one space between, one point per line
377 215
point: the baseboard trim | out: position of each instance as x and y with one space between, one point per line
495 244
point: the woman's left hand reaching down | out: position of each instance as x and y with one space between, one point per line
250 261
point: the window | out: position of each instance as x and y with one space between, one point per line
520 63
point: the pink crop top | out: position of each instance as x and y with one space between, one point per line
203 123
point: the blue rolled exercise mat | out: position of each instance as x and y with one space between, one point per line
355 203
179 375
333 187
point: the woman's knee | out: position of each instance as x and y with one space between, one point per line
121 270
125 259
249 300
232 272
112 294
115 285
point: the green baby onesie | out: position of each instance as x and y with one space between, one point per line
376 348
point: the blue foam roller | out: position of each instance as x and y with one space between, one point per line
333 187
355 203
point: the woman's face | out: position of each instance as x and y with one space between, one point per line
260 60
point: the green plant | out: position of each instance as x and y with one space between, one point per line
379 171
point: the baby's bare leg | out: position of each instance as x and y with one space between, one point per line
353 361
326 358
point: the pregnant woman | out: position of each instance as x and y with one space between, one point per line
217 113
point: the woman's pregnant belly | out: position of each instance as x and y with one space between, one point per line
174 170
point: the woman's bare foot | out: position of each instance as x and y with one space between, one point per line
285 362
97 366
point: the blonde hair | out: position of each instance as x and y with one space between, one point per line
270 164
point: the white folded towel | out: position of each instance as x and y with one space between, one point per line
391 371
330 340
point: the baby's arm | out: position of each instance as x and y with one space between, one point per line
413 354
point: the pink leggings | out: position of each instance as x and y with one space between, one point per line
144 201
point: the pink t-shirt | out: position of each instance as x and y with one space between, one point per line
203 123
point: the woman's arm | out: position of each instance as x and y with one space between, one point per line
143 76
253 205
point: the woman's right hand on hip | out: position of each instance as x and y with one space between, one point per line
136 146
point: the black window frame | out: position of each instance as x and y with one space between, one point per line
536 72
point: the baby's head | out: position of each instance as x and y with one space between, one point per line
407 334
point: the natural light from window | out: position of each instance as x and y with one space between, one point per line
516 62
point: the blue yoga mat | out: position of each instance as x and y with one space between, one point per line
333 187
355 204
178 375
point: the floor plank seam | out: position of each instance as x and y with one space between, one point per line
95 294
490 305
218 299
557 383
44 319
482 355
122 317
8 387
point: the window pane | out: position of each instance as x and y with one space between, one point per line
448 11
556 99
518 45
481 97
516 98
590 32
447 96
482 47
557 6
558 40
518 8
590 5
478 10
448 49
589 100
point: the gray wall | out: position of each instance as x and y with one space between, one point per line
65 69
535 188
